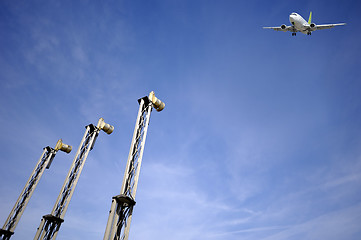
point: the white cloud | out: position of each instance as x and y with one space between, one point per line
340 224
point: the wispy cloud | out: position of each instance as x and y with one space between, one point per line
334 225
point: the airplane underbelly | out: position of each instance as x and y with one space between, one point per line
299 27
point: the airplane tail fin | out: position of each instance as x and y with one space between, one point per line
310 18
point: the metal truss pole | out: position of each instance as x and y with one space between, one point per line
44 162
50 224
121 210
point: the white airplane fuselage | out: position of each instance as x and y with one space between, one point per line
299 22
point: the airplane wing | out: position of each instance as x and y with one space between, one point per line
326 26
283 28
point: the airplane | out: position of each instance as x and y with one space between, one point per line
299 24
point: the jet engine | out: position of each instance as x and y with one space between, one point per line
313 26
283 27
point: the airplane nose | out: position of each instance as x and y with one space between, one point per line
292 20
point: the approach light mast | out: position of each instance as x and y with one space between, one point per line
50 224
120 213
44 162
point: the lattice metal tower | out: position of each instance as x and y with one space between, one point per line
120 214
44 162
50 224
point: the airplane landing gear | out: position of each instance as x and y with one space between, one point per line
294 34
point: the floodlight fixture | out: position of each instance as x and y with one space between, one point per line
105 126
157 104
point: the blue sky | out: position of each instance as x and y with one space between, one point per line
260 137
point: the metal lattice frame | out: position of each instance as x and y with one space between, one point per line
122 205
11 222
50 224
